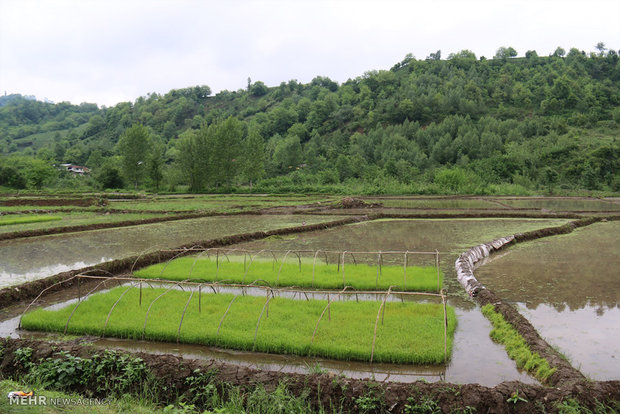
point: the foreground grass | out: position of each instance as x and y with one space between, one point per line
517 348
411 333
10 220
236 270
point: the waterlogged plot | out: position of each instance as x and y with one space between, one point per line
562 204
377 331
343 270
435 203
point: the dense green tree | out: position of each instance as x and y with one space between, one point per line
109 175
224 140
39 173
505 52
134 149
192 159
155 163
253 157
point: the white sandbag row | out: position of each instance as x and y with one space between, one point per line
465 263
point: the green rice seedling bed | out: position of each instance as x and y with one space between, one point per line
7 221
234 269
411 333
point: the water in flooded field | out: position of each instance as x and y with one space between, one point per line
568 286
26 259
449 236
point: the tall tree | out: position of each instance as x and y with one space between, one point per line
134 149
189 160
224 140
155 163
253 157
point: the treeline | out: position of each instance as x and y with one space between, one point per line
460 125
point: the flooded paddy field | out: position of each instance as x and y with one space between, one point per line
568 286
475 359
562 204
450 237
435 203
35 258
215 203
76 218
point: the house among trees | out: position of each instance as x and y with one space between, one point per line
75 169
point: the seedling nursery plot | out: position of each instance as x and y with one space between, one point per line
308 269
377 331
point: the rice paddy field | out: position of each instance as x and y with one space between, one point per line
568 287
35 258
532 275
296 272
65 219
436 203
563 204
215 203
407 332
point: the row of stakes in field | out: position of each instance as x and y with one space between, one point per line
270 292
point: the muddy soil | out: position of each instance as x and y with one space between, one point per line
327 390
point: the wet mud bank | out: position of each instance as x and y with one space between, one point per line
64 280
566 374
323 390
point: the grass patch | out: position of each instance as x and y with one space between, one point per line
10 220
411 333
237 270
517 348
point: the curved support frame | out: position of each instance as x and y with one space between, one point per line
326 309
265 306
80 301
381 308
107 319
146 318
183 314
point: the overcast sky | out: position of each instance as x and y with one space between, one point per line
110 51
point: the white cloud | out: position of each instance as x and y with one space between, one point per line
109 51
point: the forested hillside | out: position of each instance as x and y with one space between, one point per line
461 124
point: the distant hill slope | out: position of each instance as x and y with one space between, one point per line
527 121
